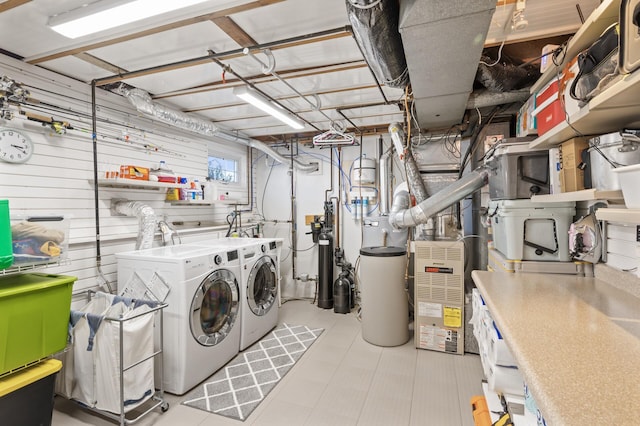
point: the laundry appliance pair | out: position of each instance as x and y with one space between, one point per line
207 286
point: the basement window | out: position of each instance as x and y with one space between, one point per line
224 169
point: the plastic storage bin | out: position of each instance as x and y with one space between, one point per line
34 314
26 397
629 177
519 171
526 230
6 252
39 239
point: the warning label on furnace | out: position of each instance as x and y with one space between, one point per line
438 339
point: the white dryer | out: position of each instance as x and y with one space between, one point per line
202 319
260 291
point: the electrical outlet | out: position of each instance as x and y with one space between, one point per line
317 172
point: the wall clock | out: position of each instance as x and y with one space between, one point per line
15 146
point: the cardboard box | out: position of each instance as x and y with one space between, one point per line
134 172
555 169
572 176
526 122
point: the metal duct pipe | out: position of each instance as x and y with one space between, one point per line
487 98
146 220
386 162
403 217
375 28
142 101
414 180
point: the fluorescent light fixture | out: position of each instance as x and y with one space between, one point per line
105 14
256 99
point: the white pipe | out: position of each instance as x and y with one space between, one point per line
385 174
146 221
142 101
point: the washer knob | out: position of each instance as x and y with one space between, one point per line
217 260
263 248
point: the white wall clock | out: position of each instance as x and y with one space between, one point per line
15 146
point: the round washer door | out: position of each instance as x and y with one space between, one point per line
214 308
262 286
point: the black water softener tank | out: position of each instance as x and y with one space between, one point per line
325 271
342 294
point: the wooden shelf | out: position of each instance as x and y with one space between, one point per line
584 195
137 184
616 107
619 215
604 15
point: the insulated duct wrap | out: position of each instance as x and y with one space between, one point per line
403 217
414 180
142 101
146 221
375 27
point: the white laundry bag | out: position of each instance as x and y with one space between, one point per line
95 356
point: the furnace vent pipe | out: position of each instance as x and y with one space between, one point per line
386 163
142 101
146 220
401 216
414 180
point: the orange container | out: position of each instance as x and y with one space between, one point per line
134 172
481 415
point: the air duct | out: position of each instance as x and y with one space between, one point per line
146 220
401 216
142 101
375 28
415 182
386 164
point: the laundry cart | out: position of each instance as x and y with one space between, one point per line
109 367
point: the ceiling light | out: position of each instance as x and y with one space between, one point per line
256 99
103 15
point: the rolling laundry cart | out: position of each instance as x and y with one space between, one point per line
109 368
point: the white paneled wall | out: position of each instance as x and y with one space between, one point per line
59 176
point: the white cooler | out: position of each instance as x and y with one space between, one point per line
525 230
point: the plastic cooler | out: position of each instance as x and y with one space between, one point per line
26 397
34 313
519 171
526 230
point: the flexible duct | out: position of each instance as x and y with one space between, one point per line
414 180
401 216
142 101
375 28
146 220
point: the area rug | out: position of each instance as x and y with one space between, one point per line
239 387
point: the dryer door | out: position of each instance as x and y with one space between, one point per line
214 308
262 286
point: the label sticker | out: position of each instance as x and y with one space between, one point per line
426 309
452 317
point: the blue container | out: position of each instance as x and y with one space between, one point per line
6 249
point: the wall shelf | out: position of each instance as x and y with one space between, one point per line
604 15
584 195
619 215
136 184
203 202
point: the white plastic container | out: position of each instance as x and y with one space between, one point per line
526 230
629 178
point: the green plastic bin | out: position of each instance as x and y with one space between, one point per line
34 313
6 250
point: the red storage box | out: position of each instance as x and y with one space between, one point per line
549 112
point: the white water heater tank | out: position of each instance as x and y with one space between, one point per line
364 171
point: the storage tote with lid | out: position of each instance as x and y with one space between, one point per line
527 230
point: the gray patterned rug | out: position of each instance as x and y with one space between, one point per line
238 388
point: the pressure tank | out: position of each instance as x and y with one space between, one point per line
364 171
325 271
342 294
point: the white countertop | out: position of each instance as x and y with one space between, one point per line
576 341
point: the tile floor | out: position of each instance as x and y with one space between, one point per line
341 380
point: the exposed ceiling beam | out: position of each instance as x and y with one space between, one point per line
93 60
261 78
10 4
280 44
155 30
234 31
307 137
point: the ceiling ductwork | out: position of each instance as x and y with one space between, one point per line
443 42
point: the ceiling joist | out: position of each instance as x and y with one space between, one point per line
10 4
155 30
234 31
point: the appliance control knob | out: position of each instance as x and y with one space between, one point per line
263 248
217 260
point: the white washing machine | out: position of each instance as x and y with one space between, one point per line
260 291
202 319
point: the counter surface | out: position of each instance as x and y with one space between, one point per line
576 341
